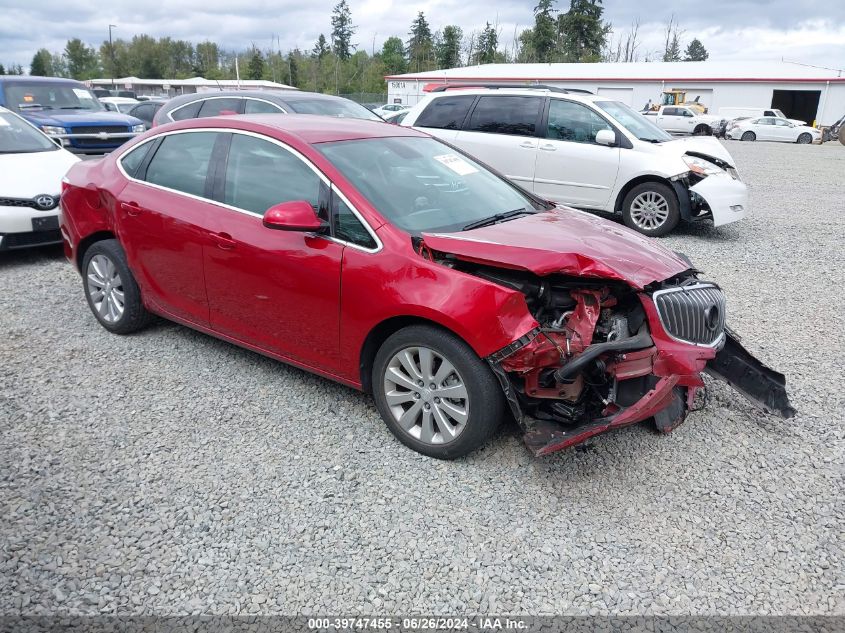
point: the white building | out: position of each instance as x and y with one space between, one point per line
174 87
803 92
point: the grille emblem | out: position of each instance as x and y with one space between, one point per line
711 317
44 201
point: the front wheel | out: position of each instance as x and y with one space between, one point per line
651 209
111 290
805 138
749 136
434 393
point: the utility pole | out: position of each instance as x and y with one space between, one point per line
111 54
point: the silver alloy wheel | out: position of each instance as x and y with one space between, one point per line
649 210
426 395
105 288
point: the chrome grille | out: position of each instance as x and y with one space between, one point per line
693 314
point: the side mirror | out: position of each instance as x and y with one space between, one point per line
297 215
606 137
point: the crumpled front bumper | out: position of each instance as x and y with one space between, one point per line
726 197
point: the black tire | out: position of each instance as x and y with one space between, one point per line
135 316
485 399
805 138
749 136
702 130
672 218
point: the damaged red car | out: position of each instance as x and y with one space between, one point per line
389 261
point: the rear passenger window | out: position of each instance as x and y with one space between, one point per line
213 107
254 106
260 174
186 112
506 115
348 227
445 113
132 159
181 162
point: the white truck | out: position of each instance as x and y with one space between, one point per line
684 120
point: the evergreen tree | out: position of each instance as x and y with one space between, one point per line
42 64
393 56
583 32
696 52
2 69
255 67
488 41
448 47
672 43
321 48
293 68
544 34
421 44
342 30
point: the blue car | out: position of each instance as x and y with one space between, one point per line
68 111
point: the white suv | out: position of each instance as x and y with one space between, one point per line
588 152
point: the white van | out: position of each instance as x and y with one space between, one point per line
755 113
589 152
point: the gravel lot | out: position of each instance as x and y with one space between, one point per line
168 472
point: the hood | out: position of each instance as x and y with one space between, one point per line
701 145
71 118
28 175
564 241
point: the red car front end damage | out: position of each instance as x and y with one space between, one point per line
622 333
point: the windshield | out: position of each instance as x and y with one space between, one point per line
634 122
19 137
50 96
779 113
332 107
420 184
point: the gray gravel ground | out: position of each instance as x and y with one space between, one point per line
168 472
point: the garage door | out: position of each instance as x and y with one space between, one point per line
625 95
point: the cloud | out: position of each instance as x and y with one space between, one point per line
811 31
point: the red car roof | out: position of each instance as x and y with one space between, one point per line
308 128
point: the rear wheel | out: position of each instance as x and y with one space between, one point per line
111 290
434 393
651 209
805 138
702 130
749 136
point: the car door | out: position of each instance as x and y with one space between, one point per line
571 167
276 290
161 216
784 131
764 128
669 119
502 132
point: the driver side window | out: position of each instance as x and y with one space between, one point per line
570 121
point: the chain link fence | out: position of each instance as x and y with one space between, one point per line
379 98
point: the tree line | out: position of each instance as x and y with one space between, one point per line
338 64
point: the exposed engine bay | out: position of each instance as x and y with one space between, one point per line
605 355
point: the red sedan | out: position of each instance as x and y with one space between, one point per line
384 259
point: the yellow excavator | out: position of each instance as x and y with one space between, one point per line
677 97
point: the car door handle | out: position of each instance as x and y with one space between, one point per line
224 241
548 147
527 145
132 208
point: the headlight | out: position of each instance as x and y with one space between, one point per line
52 130
702 167
138 128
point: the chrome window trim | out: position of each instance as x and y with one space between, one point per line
209 98
715 344
223 205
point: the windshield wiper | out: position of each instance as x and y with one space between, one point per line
23 106
74 108
650 140
499 217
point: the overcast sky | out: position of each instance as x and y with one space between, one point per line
810 31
